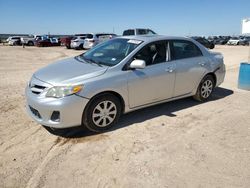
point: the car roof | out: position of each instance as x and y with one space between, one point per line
151 38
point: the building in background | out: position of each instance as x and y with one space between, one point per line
246 26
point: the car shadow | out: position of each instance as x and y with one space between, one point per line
167 109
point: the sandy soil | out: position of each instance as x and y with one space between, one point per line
177 144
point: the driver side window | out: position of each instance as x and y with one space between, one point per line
153 53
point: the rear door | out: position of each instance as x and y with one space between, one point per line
190 66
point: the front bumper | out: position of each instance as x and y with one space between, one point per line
41 109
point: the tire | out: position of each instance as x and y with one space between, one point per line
30 43
81 47
205 88
97 118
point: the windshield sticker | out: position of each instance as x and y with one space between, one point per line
113 59
134 41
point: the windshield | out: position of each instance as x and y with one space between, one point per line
111 52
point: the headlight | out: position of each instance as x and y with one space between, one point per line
62 91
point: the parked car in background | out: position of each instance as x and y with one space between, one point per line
212 38
28 40
66 41
93 39
77 42
204 42
234 41
119 76
48 42
13 41
245 41
138 31
222 40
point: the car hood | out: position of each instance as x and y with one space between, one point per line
69 71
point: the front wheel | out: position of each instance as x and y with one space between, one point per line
102 113
205 88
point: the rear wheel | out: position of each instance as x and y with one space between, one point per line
205 88
102 113
30 43
81 47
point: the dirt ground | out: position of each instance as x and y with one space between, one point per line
178 144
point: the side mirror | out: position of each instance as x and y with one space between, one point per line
137 64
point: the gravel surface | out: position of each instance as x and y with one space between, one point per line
177 144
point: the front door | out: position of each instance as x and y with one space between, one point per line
156 81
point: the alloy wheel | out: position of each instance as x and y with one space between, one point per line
104 113
206 88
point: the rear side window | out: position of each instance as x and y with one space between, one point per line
181 49
128 32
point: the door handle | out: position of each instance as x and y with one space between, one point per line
169 69
201 64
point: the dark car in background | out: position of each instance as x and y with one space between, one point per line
48 42
204 42
245 41
222 40
65 41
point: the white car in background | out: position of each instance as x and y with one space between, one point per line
78 41
94 39
28 40
234 41
13 41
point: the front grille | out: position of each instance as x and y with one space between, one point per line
37 89
35 112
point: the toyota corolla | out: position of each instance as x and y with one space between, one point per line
121 75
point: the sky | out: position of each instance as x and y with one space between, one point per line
176 17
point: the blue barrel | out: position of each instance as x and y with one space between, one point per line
244 76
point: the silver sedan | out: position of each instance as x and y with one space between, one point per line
121 75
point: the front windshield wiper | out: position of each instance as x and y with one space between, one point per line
81 58
95 62
91 61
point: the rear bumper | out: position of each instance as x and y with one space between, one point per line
41 109
220 75
88 45
75 45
